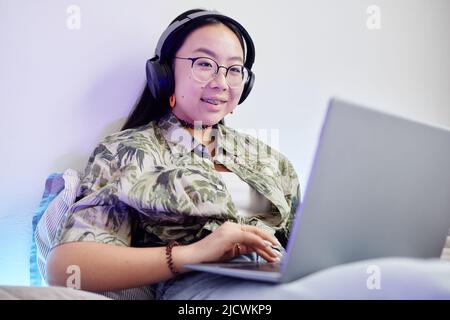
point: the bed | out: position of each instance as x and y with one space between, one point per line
398 278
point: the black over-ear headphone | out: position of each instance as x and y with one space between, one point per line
160 79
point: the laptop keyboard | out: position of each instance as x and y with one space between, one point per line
268 267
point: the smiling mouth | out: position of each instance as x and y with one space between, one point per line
213 101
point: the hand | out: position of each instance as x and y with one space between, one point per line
231 240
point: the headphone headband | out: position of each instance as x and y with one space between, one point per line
249 49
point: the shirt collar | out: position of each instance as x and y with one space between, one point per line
181 141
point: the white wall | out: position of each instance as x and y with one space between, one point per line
62 90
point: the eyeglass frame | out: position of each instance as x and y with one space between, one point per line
218 68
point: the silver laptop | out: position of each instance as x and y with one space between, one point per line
379 187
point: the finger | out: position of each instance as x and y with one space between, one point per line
245 249
253 240
262 247
263 234
236 250
269 256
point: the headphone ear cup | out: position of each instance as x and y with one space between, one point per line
159 79
247 87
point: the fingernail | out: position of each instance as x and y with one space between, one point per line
276 251
266 243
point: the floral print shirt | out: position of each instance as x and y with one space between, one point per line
150 185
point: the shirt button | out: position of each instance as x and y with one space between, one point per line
219 186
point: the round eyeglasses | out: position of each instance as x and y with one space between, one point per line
205 69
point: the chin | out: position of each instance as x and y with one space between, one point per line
211 120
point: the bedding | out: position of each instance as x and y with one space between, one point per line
46 293
428 279
387 278
59 193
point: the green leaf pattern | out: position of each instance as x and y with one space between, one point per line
149 185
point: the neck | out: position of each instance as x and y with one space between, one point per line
201 133
189 125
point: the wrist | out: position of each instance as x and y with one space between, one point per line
182 255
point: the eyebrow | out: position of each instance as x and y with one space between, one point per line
211 53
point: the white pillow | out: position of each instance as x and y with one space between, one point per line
52 218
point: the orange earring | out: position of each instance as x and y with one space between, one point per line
172 101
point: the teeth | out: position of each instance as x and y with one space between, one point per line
216 102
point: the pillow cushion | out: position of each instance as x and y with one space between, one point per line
59 194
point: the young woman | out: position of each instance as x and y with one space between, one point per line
177 185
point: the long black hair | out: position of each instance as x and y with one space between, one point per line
147 108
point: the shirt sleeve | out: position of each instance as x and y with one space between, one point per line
98 215
292 193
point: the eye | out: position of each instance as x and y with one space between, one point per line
204 63
236 70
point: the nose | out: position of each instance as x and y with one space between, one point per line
219 80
